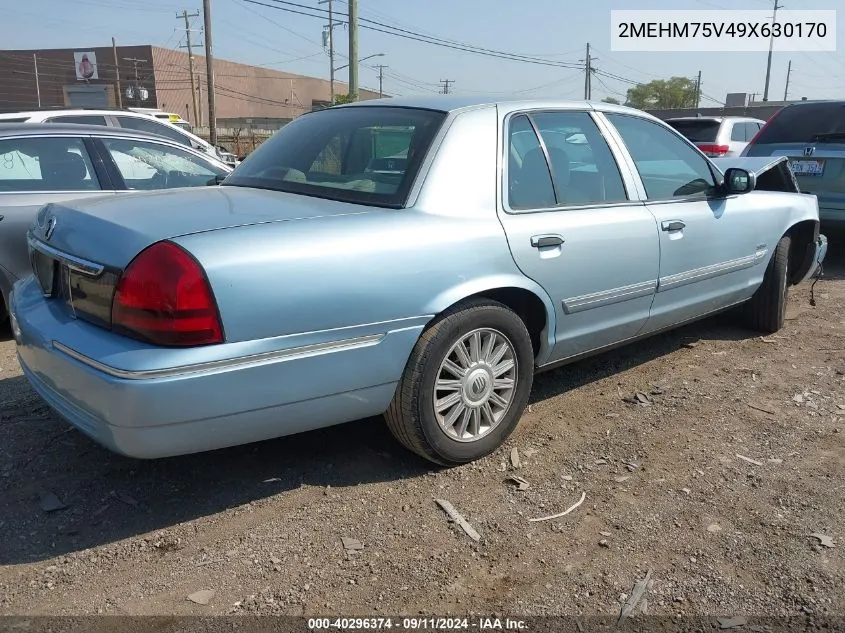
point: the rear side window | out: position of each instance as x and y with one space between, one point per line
84 119
805 123
151 126
698 131
738 132
46 164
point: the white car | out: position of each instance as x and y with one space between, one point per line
718 136
124 119
170 117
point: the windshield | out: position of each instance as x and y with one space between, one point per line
362 154
804 123
703 131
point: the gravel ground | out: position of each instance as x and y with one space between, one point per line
262 526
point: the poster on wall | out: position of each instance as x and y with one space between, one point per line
86 65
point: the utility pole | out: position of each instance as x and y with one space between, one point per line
185 15
445 83
117 74
698 90
788 74
328 39
135 61
771 45
381 68
37 80
353 50
209 69
588 74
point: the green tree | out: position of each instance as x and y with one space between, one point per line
341 99
676 92
611 100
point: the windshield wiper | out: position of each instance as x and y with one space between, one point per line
829 136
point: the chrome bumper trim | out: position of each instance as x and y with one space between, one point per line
229 363
74 263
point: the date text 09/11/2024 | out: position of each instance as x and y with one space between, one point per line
416 624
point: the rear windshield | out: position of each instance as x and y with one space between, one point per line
805 123
360 154
703 131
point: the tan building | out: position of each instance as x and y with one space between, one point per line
154 77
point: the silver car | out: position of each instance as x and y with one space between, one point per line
42 163
718 136
420 258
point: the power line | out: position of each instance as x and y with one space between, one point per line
445 83
372 25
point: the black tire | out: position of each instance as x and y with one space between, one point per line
411 416
765 311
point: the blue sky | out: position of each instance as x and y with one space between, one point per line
556 30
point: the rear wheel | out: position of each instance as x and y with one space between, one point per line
466 384
765 311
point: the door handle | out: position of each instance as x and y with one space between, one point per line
544 241
672 225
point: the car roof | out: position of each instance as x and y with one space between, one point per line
78 129
454 103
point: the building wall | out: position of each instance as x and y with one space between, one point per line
57 74
242 91
762 112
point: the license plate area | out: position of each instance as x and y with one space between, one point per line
814 167
45 269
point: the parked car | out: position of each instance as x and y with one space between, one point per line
143 122
170 117
42 163
718 136
812 135
307 291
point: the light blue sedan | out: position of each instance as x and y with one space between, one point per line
417 258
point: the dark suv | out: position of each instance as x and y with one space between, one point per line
812 135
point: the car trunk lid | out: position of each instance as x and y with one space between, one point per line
78 250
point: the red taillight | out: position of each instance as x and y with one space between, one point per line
714 150
163 297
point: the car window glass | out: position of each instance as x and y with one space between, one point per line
738 132
529 180
84 119
751 129
584 169
153 127
147 165
366 155
46 164
804 123
668 166
697 130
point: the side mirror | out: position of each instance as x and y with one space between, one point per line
739 181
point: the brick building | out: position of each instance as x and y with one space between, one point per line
154 77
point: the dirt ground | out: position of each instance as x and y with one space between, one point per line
261 526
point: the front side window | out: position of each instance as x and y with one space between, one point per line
581 168
668 166
152 126
145 165
362 154
46 164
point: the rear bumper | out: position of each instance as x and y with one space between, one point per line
152 413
